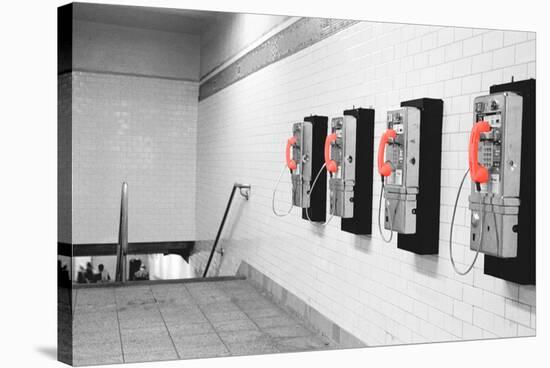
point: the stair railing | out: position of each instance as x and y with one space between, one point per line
244 190
122 247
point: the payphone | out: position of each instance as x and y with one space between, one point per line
399 169
495 167
299 162
348 154
340 147
303 158
494 157
409 164
522 268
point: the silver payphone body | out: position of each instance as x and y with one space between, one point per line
401 186
340 149
301 156
495 169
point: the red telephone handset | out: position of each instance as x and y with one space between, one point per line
478 173
331 164
290 162
384 168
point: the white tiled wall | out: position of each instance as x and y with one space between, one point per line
64 159
140 130
379 293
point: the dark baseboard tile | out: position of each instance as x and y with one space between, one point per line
298 307
181 247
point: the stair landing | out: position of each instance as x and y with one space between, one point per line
183 321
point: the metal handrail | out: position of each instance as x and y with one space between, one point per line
246 195
122 248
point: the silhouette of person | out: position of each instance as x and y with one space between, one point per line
103 275
142 273
63 278
81 277
90 276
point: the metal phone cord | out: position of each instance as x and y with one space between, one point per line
273 197
309 193
482 216
391 218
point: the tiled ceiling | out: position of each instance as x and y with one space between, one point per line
162 19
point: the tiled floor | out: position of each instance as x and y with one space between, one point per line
182 321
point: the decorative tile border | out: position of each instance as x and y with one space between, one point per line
298 36
297 306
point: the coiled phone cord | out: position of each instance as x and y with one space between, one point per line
482 215
382 190
310 191
273 197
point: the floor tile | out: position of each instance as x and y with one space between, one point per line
197 340
242 336
253 304
176 289
96 337
95 308
234 325
166 300
202 351
248 342
271 312
141 310
197 346
150 355
183 317
95 315
219 307
172 294
179 309
186 307
209 299
95 324
190 329
287 331
157 333
140 322
86 351
198 320
129 302
96 359
253 348
290 344
269 322
146 346
225 316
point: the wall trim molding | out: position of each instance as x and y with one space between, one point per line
91 71
295 37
